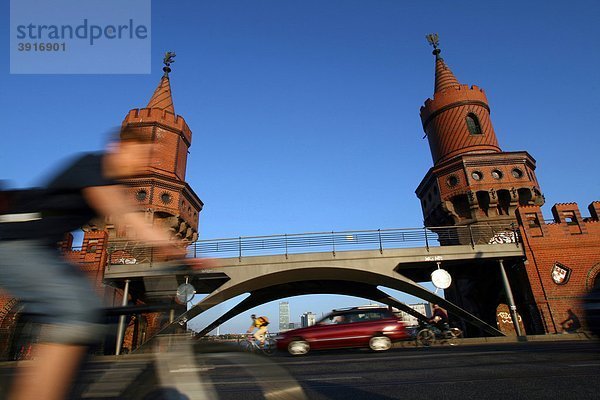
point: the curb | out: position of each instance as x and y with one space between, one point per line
509 339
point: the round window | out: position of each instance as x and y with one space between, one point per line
477 175
497 174
452 181
517 173
166 198
141 195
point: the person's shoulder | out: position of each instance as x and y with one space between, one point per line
82 160
90 157
82 170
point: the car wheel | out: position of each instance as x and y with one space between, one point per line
380 343
425 337
298 347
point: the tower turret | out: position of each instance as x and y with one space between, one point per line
472 179
457 118
161 190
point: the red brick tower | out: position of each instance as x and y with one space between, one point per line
161 191
473 182
472 179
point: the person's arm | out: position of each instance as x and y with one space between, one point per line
111 201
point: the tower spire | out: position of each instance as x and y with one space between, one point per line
444 78
160 189
162 98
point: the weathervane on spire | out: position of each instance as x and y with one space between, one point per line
434 40
168 60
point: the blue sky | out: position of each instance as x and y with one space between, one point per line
305 114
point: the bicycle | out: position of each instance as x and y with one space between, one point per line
429 334
251 345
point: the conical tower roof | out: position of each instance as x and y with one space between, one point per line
444 78
162 98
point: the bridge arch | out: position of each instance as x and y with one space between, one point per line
353 278
271 277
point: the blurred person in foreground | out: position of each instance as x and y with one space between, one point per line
58 294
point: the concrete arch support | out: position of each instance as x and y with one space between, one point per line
268 278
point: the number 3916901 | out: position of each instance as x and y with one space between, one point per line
41 46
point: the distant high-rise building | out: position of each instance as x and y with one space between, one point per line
284 315
308 319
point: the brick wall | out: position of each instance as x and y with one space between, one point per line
572 244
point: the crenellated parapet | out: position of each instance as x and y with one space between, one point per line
567 222
162 118
92 255
594 209
563 258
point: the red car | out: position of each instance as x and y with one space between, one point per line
373 327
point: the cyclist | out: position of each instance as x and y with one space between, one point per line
63 302
439 318
259 323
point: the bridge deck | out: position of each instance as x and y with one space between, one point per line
404 258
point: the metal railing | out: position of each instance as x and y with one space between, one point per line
135 252
379 239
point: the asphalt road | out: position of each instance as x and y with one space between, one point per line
548 370
538 370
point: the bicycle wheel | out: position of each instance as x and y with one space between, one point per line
453 334
269 346
425 337
247 345
449 338
457 333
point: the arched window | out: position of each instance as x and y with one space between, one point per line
473 124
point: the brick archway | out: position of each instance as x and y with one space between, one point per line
593 277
